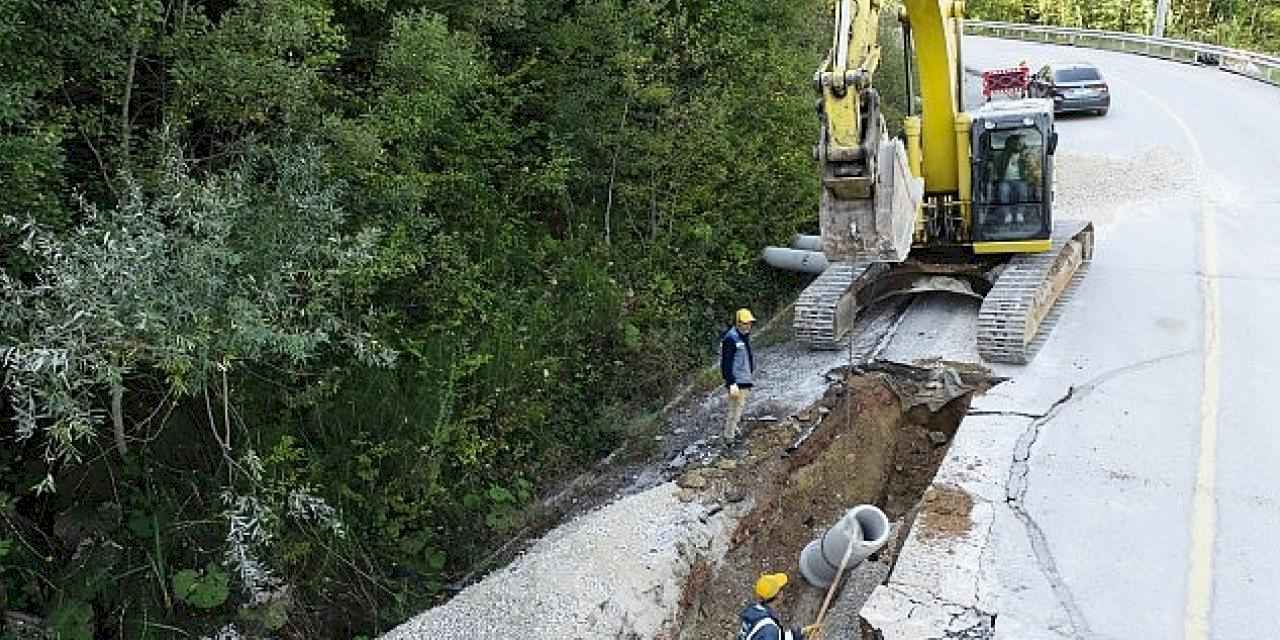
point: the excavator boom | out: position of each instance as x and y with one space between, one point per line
935 26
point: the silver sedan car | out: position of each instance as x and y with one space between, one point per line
1077 87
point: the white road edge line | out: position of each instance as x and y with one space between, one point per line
1204 511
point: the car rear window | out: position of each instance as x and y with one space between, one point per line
1076 74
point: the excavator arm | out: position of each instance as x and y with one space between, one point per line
879 197
845 77
934 30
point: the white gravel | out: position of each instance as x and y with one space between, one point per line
1104 188
612 573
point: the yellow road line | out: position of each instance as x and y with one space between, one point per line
1204 511
1204 506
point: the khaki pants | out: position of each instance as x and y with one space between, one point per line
734 415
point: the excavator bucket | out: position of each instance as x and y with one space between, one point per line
867 224
866 220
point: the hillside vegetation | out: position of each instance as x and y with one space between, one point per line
304 301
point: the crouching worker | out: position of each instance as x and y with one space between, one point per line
760 621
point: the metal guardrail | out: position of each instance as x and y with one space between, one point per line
1253 65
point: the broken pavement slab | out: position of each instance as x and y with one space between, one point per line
1034 478
940 575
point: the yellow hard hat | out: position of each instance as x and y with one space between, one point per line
743 316
769 584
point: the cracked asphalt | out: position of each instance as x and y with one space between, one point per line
1125 482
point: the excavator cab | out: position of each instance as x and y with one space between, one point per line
1012 148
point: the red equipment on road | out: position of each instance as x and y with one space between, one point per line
1012 82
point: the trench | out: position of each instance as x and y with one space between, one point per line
878 437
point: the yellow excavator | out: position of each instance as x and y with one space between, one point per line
964 206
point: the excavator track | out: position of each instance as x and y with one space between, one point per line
825 310
1022 307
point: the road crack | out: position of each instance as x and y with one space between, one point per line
1004 414
1017 484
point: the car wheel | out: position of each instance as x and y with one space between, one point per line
1102 112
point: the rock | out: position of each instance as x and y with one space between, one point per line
678 462
767 418
822 411
693 480
712 472
938 438
735 495
686 495
658 438
727 465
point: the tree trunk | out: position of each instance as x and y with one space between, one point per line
613 172
653 203
117 417
126 127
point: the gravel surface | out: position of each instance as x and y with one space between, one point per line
789 376
1104 189
616 572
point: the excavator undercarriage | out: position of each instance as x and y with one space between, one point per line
1020 294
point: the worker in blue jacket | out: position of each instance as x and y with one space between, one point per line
761 622
736 366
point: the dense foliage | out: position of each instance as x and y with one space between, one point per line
304 300
1244 24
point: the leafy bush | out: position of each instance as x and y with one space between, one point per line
303 302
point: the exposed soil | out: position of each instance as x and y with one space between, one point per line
867 443
946 512
686 433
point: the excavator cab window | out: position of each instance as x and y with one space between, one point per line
1009 185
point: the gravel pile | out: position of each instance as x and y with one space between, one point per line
1102 188
612 573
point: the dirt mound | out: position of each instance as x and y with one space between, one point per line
872 439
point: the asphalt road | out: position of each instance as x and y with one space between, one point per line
1126 483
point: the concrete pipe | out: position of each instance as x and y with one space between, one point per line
865 525
795 260
806 243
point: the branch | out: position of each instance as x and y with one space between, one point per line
213 424
226 410
102 167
